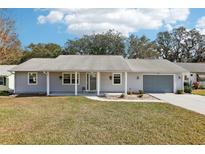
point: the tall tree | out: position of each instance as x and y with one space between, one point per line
181 45
41 50
108 43
10 51
141 47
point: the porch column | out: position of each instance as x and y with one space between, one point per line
182 81
125 83
48 83
98 83
76 83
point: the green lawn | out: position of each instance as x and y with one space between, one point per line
199 92
77 120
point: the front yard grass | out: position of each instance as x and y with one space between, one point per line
77 120
199 92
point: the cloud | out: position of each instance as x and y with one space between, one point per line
126 21
200 25
52 17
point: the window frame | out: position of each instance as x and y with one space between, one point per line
116 84
70 74
2 80
36 78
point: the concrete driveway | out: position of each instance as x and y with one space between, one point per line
191 102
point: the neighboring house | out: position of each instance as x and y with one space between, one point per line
6 78
197 72
99 74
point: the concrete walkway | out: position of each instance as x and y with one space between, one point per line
96 98
188 101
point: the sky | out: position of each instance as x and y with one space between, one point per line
59 25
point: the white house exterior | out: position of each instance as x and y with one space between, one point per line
77 74
197 72
6 78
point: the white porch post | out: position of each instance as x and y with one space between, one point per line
182 81
76 83
98 83
48 83
125 83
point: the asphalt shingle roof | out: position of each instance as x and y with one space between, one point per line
193 67
154 66
103 63
4 69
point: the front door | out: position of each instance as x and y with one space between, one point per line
91 82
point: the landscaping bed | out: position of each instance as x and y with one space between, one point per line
130 97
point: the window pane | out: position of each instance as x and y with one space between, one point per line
32 78
1 80
117 79
66 78
73 78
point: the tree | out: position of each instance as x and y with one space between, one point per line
181 45
108 43
141 47
10 51
41 50
164 45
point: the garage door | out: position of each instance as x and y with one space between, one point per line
158 83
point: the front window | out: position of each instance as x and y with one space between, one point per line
117 78
69 78
66 78
32 78
1 81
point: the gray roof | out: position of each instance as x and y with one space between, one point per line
34 64
4 69
102 63
154 66
193 67
75 63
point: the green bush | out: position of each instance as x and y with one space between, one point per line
122 95
141 92
186 84
201 87
140 95
187 89
180 91
4 93
129 92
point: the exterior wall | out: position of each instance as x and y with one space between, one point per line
21 83
179 82
134 82
106 84
56 85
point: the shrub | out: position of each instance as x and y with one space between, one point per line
122 95
129 92
180 91
141 92
196 85
4 93
201 87
186 84
187 89
140 95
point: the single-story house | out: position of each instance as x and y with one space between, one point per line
6 78
98 74
197 72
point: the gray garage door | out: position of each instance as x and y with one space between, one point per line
158 83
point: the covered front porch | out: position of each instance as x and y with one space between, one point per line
85 83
